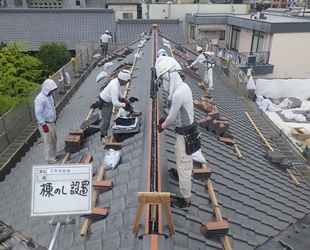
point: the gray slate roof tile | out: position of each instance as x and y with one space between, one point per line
257 199
69 26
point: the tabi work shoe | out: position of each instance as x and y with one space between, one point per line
181 204
174 174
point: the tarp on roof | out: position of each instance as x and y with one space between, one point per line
276 88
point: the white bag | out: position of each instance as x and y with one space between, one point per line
111 160
198 157
250 84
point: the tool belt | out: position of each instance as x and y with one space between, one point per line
191 136
104 45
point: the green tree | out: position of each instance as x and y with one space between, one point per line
53 55
20 74
2 44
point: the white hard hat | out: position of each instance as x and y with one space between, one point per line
107 31
124 75
161 51
162 67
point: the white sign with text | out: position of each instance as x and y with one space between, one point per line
61 189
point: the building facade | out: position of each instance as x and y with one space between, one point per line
273 46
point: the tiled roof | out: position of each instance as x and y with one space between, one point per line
256 198
46 25
128 30
71 26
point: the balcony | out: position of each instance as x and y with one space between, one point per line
258 61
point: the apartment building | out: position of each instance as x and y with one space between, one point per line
273 46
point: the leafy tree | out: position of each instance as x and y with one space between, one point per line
2 44
20 74
53 55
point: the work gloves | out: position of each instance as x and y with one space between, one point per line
160 125
133 99
162 120
96 104
45 128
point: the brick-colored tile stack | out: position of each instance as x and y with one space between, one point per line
214 122
202 173
219 228
74 140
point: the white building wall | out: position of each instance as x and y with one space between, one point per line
179 11
245 40
120 9
289 55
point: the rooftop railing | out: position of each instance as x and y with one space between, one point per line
240 59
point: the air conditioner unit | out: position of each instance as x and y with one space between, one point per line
214 41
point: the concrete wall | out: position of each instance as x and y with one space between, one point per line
120 9
245 40
178 11
289 55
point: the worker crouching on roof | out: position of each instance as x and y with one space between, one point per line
111 96
182 116
206 59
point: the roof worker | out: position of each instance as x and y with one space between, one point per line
145 35
46 116
111 96
182 116
104 40
161 56
206 59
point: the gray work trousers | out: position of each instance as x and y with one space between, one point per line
50 141
184 166
208 77
106 113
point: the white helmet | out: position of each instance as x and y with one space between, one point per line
161 51
124 75
162 67
107 31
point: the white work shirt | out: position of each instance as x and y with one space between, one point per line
201 58
182 108
105 38
112 93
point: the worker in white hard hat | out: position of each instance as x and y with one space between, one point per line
162 56
111 96
182 116
206 59
104 40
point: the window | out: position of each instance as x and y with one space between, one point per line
235 38
257 41
45 4
78 3
192 32
222 35
18 3
127 15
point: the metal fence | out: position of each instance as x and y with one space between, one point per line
240 59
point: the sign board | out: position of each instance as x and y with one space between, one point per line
61 189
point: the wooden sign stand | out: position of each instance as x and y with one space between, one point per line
153 198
